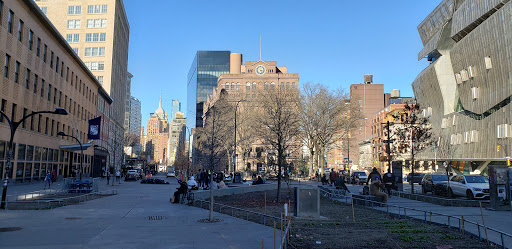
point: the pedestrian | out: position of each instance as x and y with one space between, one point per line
108 177
199 177
204 177
332 177
118 176
375 190
389 182
54 176
374 175
357 179
48 180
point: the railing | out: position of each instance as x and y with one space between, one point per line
260 217
475 228
57 202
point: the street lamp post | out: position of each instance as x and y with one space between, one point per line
14 126
234 152
61 133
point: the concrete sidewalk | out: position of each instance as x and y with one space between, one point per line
121 221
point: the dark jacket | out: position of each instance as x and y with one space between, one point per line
373 176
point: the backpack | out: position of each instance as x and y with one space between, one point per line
366 190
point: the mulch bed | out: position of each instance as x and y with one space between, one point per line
371 229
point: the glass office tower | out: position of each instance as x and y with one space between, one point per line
202 78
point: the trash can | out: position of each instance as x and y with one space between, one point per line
238 177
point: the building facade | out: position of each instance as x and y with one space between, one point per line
157 135
177 137
98 32
202 78
127 107
176 107
467 89
244 83
41 73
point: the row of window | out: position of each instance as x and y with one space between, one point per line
94 51
96 65
469 73
249 86
89 37
45 124
91 23
91 9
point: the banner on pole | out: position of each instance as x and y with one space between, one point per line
94 128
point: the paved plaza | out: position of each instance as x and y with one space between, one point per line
121 221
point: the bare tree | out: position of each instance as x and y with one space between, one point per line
215 132
277 117
131 139
326 117
413 135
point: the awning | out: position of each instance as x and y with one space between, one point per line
75 146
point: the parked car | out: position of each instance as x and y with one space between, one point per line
416 178
171 174
363 177
470 186
435 183
133 171
130 176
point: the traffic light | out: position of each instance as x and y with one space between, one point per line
508 162
498 148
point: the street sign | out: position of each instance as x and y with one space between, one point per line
349 161
345 158
388 141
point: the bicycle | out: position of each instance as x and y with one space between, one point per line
187 196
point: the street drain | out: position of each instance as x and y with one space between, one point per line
9 229
73 218
155 217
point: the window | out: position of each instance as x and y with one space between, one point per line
226 86
27 79
75 50
36 78
51 60
49 91
293 85
30 39
73 24
232 86
24 124
42 88
17 72
475 92
97 9
238 86
266 85
9 21
74 10
95 66
20 30
54 96
4 103
62 69
45 50
6 68
38 47
94 51
95 37
73 38
44 10
248 86
96 23
488 62
272 85
57 65
100 79
282 85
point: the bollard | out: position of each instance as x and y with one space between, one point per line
430 218
263 243
353 213
281 238
274 234
462 223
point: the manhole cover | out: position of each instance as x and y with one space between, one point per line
155 217
209 221
9 229
73 218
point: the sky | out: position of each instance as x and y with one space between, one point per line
332 42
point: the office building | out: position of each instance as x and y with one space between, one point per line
98 32
157 135
177 137
41 73
202 78
176 107
128 87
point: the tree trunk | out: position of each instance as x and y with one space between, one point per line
279 162
312 163
211 197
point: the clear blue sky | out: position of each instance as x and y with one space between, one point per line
330 42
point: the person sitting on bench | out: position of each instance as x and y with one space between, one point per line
180 191
375 190
340 184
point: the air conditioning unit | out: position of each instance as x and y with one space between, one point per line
488 62
464 75
458 78
471 72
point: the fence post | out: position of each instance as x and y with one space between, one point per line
274 234
430 218
462 223
353 213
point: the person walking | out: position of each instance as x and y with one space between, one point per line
118 176
332 177
374 176
199 177
389 182
48 180
108 177
54 176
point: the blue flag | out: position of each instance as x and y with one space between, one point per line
94 128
